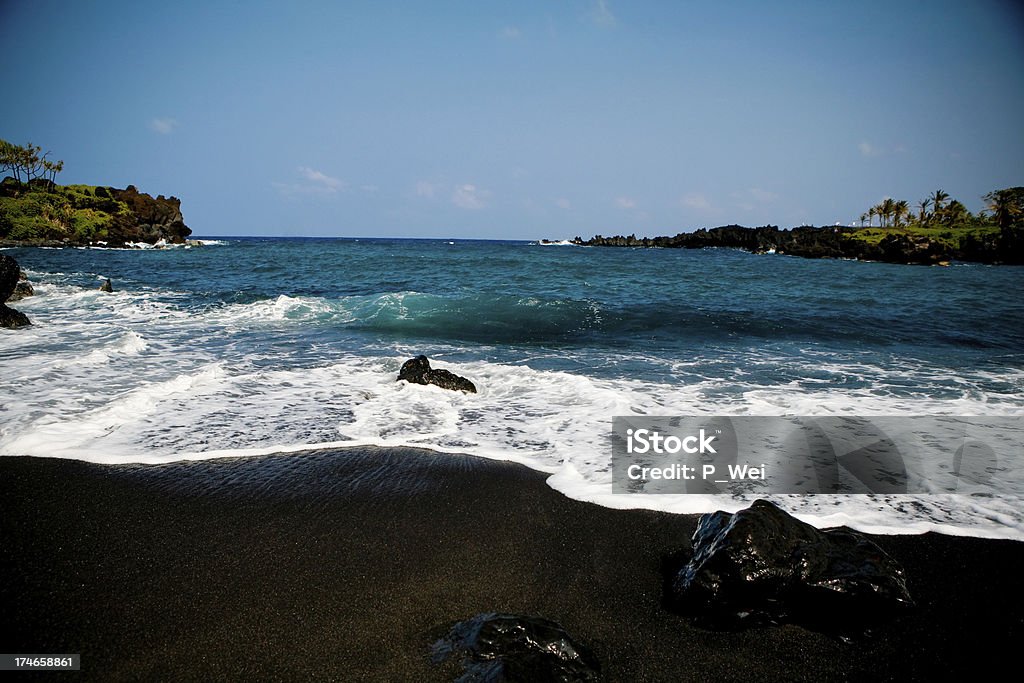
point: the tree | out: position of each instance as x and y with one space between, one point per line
954 213
922 207
10 158
886 210
1007 206
27 161
53 168
900 209
938 197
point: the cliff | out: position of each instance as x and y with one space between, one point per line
41 212
925 247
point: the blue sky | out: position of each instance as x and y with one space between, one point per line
520 120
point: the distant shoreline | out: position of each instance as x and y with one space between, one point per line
887 245
907 246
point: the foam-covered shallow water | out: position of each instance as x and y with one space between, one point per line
250 346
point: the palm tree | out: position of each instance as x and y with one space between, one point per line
922 207
901 209
1007 206
886 209
938 198
863 219
871 215
956 212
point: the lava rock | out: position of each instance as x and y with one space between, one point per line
107 286
418 371
22 289
10 273
510 647
762 565
896 248
11 318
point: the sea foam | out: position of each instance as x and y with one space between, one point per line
157 374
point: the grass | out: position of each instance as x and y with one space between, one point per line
951 236
73 212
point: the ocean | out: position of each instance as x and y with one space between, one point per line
263 345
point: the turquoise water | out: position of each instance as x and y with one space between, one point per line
264 344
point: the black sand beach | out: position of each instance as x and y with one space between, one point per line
347 565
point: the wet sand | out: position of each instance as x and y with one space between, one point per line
347 565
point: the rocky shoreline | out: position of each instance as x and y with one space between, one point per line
41 213
1004 247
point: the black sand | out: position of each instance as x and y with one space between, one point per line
346 565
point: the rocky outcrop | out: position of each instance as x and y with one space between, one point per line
107 286
41 213
833 242
510 647
761 565
418 371
9 275
148 220
22 289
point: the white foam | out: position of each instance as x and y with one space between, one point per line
135 377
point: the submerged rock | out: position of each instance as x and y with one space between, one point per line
10 273
762 565
418 371
510 647
107 286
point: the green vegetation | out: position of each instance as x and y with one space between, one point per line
55 212
950 237
33 207
944 220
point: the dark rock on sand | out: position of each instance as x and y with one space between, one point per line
509 647
10 273
418 371
762 565
107 286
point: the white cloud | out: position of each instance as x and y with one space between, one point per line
625 202
869 150
762 195
563 203
316 183
321 181
425 189
510 32
164 126
696 201
601 15
469 196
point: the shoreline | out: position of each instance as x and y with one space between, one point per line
350 564
907 246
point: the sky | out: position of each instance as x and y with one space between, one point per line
520 120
